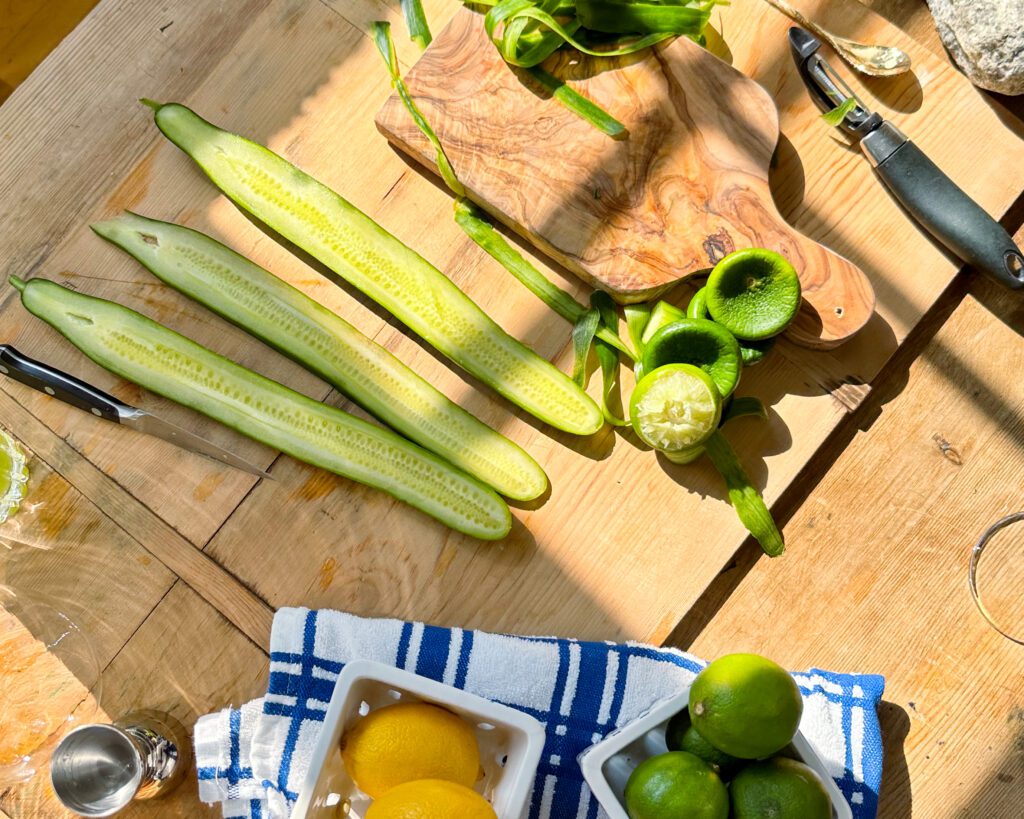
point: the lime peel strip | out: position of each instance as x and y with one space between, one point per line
386 46
745 499
416 22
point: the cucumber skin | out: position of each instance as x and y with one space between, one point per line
484 348
285 318
91 324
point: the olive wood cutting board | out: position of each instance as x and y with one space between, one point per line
687 183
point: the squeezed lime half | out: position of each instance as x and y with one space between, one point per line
13 475
699 342
753 293
675 407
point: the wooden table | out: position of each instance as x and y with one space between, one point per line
879 525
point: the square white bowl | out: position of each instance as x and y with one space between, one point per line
511 742
608 764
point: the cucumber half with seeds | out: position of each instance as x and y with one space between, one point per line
323 224
327 345
155 357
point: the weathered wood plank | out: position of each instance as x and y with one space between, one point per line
211 581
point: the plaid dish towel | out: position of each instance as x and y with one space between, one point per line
254 759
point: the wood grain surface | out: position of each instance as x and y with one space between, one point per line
686 185
305 78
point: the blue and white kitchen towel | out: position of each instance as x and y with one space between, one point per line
254 759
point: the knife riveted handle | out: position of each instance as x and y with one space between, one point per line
58 384
950 215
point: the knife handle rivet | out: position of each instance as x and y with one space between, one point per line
49 390
4 370
97 413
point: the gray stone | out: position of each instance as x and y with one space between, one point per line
986 38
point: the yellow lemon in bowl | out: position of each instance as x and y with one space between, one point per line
407 742
431 799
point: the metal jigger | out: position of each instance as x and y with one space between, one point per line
98 769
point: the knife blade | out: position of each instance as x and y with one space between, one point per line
934 200
77 393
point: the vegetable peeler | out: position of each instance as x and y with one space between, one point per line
931 197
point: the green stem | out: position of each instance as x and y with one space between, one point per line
746 500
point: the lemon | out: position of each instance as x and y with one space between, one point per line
676 407
431 799
779 788
410 741
13 475
676 785
746 706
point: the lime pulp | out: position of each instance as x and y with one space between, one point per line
13 475
675 407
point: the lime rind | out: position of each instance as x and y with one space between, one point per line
13 475
702 343
675 408
753 293
662 315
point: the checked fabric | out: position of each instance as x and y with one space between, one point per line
254 759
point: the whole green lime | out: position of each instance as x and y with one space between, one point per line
746 706
779 788
676 785
680 735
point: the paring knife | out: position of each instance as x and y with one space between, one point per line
931 197
84 396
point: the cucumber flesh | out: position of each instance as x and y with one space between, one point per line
327 345
323 224
159 359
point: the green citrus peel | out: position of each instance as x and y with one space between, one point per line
527 32
699 342
698 306
13 475
753 293
416 22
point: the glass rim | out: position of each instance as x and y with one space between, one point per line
976 554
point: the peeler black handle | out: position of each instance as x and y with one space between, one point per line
942 208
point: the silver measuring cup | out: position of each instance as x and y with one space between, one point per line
96 770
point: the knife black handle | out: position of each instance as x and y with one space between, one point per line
59 384
951 216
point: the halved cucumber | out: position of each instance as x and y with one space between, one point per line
288 320
320 222
155 357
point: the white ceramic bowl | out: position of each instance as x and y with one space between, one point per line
608 764
511 742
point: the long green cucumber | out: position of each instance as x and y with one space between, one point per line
159 359
323 224
288 320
